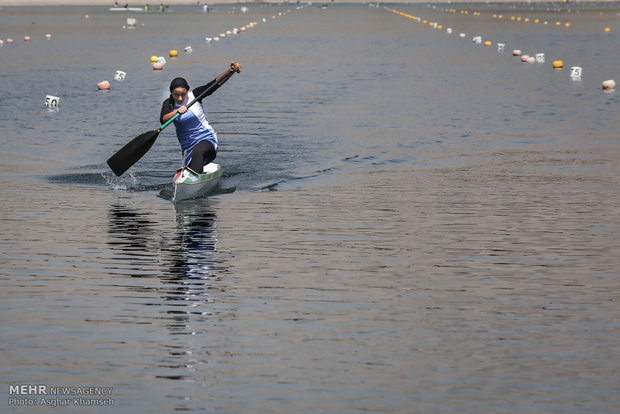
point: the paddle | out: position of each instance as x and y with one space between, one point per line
137 147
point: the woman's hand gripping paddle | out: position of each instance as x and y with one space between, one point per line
137 147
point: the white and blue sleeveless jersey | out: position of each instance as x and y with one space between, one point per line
193 127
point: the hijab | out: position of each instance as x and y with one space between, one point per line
178 83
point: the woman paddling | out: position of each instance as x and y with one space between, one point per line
197 138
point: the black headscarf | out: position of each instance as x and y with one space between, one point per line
178 83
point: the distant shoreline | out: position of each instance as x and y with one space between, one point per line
17 3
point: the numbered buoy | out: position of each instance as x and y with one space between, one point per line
516 52
103 85
540 57
208 40
575 72
51 101
120 75
609 84
449 30
558 64
188 49
500 47
174 53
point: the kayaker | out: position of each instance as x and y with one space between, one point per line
197 138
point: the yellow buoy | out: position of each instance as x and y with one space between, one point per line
558 64
488 43
153 59
567 25
607 30
174 53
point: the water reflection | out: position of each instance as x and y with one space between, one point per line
181 254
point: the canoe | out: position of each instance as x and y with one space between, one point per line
187 187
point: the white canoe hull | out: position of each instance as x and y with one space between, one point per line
206 182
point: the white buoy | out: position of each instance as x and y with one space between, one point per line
477 39
51 101
540 58
161 60
449 30
609 84
244 9
120 75
131 22
188 49
462 35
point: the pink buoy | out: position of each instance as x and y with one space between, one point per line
158 66
26 38
525 58
103 86
9 41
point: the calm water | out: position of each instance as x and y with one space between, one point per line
408 222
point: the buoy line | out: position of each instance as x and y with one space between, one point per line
158 62
575 72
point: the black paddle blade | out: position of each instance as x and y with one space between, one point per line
132 152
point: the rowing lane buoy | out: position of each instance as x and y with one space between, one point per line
609 84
